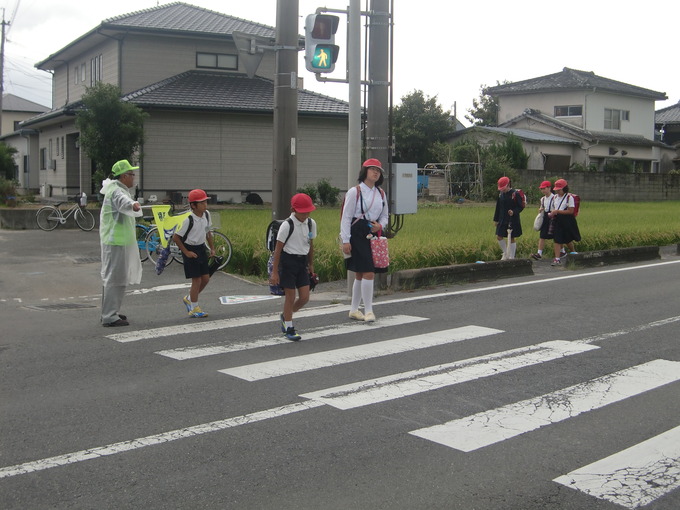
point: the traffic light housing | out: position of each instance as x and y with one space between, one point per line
320 49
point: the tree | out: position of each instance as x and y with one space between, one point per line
419 126
7 164
110 129
484 111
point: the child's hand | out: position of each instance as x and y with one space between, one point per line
191 255
274 278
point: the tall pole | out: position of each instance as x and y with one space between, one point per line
2 65
284 170
377 128
354 74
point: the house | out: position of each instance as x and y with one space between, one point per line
16 109
667 124
210 125
578 119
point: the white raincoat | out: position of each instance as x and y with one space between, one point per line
121 264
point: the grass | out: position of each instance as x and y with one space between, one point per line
444 234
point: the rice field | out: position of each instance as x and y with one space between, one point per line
443 234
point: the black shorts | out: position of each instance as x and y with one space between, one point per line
293 271
195 268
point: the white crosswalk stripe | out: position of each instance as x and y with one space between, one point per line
634 477
184 353
297 364
440 376
486 428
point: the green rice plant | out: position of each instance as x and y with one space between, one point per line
454 234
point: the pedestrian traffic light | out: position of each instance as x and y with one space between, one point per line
320 49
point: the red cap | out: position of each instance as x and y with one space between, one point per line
302 203
545 184
503 182
197 195
560 183
374 163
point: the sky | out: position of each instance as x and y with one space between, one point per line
446 49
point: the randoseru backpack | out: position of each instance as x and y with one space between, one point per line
520 197
270 243
577 203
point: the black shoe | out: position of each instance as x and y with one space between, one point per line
119 322
124 317
292 335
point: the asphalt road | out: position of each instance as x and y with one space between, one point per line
555 391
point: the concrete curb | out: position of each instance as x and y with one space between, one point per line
410 279
616 256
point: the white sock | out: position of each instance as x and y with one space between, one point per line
289 324
367 294
501 243
194 305
540 252
513 248
356 295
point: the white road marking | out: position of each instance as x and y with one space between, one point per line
489 427
195 326
633 477
296 364
184 353
164 437
439 376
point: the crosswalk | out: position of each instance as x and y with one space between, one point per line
648 470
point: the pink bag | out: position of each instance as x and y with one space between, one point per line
381 255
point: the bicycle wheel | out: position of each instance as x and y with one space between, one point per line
222 246
141 231
154 246
48 218
84 219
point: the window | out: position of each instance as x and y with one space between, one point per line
612 119
76 74
82 72
96 70
569 111
43 159
62 148
625 114
216 61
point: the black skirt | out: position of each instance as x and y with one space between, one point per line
361 260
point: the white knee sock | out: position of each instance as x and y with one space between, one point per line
367 294
501 243
356 295
513 248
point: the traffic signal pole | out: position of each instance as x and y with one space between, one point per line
284 170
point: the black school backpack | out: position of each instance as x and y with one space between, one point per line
273 231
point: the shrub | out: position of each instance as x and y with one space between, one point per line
8 188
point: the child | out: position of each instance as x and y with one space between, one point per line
506 216
294 260
545 208
565 225
191 238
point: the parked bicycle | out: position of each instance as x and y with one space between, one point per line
50 216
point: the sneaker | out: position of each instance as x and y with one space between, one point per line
356 315
556 262
292 335
573 253
283 324
563 253
187 303
369 317
536 256
197 313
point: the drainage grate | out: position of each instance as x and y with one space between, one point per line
86 260
59 306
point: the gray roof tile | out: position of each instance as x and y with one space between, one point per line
670 115
186 18
209 90
572 79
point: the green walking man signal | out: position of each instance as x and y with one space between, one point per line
320 50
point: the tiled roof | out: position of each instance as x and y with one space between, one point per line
572 79
12 103
670 115
589 136
524 134
207 90
186 18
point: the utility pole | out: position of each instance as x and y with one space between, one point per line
284 170
2 65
